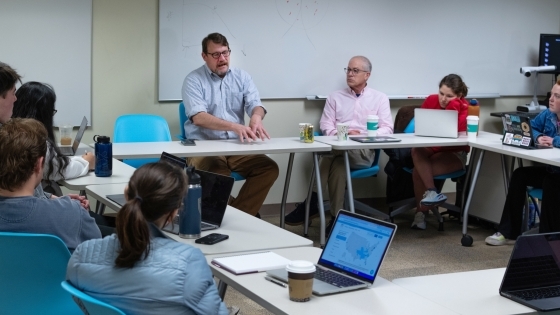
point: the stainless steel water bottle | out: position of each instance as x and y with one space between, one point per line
189 219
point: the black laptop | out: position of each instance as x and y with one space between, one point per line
518 132
352 255
216 190
532 276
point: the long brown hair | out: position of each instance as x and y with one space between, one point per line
155 190
456 84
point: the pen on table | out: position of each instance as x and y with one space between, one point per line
275 281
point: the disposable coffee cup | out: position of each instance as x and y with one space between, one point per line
65 134
372 125
342 132
302 131
472 126
300 280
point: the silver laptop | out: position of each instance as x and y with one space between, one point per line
532 276
352 255
71 151
436 123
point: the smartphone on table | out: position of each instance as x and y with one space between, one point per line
212 238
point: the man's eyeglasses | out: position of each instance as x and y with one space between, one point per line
354 71
224 53
54 112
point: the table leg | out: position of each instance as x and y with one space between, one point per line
467 240
286 187
308 202
222 287
348 183
319 198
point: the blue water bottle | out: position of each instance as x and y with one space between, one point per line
189 219
103 156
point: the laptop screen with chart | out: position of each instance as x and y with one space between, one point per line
356 247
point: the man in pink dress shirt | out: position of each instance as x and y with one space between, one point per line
351 106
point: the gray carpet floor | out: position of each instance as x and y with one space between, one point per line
413 252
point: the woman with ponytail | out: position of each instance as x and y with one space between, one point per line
139 269
430 162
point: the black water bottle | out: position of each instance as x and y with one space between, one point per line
103 156
189 219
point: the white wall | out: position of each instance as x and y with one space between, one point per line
125 80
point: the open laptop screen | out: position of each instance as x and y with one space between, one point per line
357 245
534 263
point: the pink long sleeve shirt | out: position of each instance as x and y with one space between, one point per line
344 106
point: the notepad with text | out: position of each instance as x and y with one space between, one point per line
251 263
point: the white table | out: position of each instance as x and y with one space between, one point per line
487 141
407 141
246 232
383 298
291 145
121 174
472 292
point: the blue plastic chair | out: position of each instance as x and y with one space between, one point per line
182 120
88 304
141 128
31 269
405 205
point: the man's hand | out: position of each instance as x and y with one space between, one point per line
244 132
353 132
257 127
545 140
82 199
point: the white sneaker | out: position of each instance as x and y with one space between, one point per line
497 239
432 198
419 221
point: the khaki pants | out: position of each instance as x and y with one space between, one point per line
259 170
333 173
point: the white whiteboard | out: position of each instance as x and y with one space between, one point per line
294 48
50 41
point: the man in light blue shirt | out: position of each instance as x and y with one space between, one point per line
216 98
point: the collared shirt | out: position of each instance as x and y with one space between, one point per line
344 106
227 98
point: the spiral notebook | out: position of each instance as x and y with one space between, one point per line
251 263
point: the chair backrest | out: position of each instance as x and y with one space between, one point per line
410 127
182 119
141 128
88 304
31 269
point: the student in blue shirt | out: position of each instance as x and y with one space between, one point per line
546 131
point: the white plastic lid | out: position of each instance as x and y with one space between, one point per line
300 266
372 117
472 117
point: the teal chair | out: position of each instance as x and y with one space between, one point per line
88 304
141 128
31 269
407 204
182 120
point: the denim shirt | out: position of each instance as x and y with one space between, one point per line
227 98
546 124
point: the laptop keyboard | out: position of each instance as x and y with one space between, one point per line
205 225
525 272
335 279
537 294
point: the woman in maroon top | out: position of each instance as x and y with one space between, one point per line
430 162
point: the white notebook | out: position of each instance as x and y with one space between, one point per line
251 263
